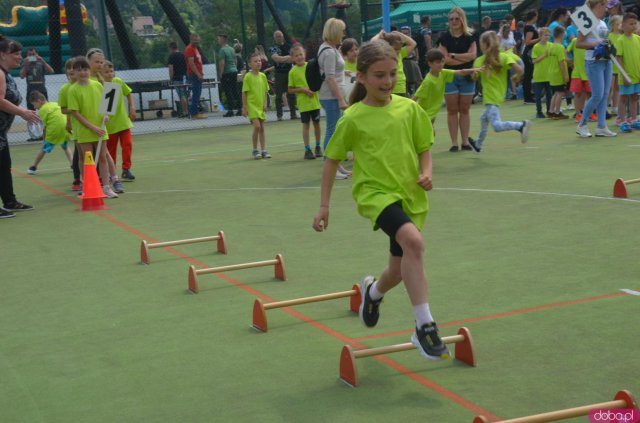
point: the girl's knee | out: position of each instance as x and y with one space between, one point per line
411 241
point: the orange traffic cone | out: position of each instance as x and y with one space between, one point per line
92 195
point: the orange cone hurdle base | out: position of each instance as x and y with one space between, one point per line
278 264
92 196
145 246
93 204
464 352
623 399
259 308
620 187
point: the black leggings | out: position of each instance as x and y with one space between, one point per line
6 180
390 220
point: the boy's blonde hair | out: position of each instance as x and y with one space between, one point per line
333 31
614 21
69 63
107 65
370 53
297 46
544 30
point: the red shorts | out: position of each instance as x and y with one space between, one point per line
578 86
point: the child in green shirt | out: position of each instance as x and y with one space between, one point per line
558 73
307 101
76 185
496 66
541 63
254 104
404 46
391 137
55 131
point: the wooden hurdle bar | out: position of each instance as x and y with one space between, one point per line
620 187
278 264
623 399
260 308
464 351
145 246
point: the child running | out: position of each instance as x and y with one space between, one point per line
430 94
307 101
119 126
496 66
55 128
558 73
391 137
84 101
628 53
76 185
254 104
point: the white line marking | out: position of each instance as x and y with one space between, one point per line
558 194
631 292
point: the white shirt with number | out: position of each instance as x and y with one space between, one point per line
599 30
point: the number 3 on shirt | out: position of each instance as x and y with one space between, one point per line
584 19
110 96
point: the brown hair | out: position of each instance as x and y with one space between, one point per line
347 45
434 55
7 45
370 53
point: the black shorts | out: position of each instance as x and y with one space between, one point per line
311 115
558 88
390 220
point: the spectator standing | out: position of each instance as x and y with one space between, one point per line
177 75
228 76
34 69
282 65
459 49
242 68
194 75
531 37
424 43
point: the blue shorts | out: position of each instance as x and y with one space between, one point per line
463 85
629 89
47 147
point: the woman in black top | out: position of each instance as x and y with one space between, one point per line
459 49
10 98
531 37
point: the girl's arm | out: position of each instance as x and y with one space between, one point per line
132 107
244 104
84 122
409 43
425 179
321 219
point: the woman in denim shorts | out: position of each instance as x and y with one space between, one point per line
459 49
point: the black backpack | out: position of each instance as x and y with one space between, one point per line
312 73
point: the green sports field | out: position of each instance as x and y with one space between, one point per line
524 246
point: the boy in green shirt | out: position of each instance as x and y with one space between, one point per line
558 73
55 132
628 54
430 94
307 101
254 104
541 63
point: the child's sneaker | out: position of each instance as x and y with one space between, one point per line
635 124
265 154
4 214
524 131
625 128
474 146
17 206
593 117
428 342
256 155
32 170
308 155
369 313
109 192
127 175
117 186
76 185
318 151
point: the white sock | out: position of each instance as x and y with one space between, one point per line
423 314
374 294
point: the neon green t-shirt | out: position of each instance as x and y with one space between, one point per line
579 71
541 69
494 84
297 79
431 91
629 49
54 123
120 121
63 102
401 83
386 141
351 66
255 87
613 39
556 55
86 100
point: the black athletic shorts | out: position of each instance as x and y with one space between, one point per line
390 220
311 115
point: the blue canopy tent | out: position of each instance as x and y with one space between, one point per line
555 4
409 14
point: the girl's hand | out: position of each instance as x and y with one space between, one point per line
343 104
132 115
425 182
309 93
98 131
321 219
244 112
30 116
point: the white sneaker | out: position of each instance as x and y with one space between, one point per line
32 170
109 192
524 132
605 132
340 175
583 131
